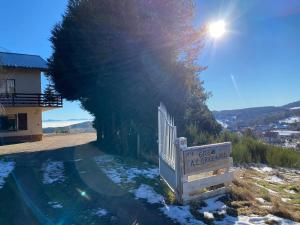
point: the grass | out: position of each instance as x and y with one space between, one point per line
246 149
250 185
168 194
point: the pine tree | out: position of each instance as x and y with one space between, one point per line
120 58
49 94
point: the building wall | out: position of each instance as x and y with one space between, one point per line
34 121
26 80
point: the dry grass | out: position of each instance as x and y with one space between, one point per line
245 191
285 210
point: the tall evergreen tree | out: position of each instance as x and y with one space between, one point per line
120 58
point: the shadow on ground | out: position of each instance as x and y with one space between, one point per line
25 199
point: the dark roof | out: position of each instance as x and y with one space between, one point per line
17 60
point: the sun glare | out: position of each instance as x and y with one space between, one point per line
217 29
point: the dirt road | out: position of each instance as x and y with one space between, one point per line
57 181
49 142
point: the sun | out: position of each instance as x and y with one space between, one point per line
217 29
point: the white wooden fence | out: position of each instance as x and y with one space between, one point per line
167 134
191 172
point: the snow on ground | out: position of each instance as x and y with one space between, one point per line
55 205
295 108
293 119
286 132
262 168
275 179
291 192
213 206
53 172
223 124
146 192
100 212
260 200
285 199
180 214
5 170
120 173
288 144
257 220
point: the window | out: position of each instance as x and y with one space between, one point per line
22 117
7 86
8 123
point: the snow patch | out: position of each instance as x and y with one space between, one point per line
260 200
180 214
275 179
258 220
53 172
290 191
5 170
293 119
216 206
77 160
55 205
286 132
100 212
295 108
121 173
146 192
208 215
285 199
213 206
223 124
265 219
262 169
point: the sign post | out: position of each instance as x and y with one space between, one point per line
191 172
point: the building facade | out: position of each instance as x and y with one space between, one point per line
21 99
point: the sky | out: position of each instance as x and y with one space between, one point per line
256 62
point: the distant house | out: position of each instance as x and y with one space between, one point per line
21 98
272 137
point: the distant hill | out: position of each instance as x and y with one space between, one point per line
292 105
258 115
84 127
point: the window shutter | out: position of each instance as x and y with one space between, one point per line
22 119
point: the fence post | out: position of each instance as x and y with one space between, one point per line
13 99
181 145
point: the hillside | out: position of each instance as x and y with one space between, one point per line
258 115
83 127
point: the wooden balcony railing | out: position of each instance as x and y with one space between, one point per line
30 100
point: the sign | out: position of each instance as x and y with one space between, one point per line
197 158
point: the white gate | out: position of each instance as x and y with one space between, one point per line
167 135
191 172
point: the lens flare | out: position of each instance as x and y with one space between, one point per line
83 194
217 29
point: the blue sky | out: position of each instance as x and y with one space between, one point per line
256 63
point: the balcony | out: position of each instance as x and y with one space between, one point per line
31 100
